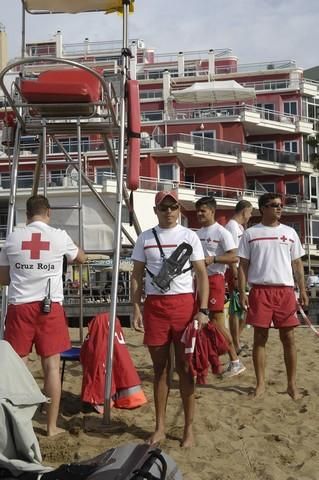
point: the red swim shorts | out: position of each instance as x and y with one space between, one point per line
216 293
26 326
275 304
165 317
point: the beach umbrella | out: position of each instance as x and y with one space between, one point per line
75 6
215 91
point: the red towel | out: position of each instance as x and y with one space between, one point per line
203 348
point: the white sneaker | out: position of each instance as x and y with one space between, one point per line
233 369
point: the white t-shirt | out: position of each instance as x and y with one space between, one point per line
235 229
216 240
146 250
35 255
270 251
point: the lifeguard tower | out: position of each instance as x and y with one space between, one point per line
53 97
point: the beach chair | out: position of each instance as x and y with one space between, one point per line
71 355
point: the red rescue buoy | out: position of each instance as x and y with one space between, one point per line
133 135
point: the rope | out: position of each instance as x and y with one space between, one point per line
307 320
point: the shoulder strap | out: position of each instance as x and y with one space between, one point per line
160 249
158 243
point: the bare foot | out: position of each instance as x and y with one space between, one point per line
157 437
294 393
52 432
188 439
259 391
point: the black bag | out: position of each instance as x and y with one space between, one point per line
131 461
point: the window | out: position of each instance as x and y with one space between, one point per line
290 108
267 108
168 171
291 146
71 145
292 188
56 178
102 173
315 230
270 187
314 191
266 150
204 140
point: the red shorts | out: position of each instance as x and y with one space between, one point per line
166 317
272 304
216 293
27 325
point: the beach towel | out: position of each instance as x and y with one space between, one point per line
234 305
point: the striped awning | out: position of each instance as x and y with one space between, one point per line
75 6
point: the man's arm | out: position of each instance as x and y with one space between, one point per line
136 294
228 258
202 287
81 256
298 269
4 275
242 281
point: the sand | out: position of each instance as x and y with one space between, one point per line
270 438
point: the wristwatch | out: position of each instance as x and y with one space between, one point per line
205 311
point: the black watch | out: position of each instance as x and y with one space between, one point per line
205 311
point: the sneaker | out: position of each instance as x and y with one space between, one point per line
233 369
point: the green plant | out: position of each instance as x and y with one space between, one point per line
313 142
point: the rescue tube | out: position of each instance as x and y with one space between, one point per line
133 134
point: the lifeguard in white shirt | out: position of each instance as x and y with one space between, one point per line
270 259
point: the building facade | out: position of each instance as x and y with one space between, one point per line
210 125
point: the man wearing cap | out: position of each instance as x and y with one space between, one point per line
168 310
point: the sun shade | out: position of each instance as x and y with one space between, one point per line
75 6
216 91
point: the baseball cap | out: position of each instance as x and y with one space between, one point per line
160 196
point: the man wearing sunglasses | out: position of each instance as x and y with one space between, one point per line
270 258
167 313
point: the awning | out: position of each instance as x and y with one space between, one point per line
215 91
75 6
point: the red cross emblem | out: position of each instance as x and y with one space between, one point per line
283 238
35 246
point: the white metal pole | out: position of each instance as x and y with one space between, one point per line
117 235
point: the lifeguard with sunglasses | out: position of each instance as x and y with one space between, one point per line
270 258
167 252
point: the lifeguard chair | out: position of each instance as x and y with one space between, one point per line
70 98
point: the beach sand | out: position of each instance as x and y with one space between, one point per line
270 438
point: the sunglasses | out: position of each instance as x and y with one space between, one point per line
274 205
164 208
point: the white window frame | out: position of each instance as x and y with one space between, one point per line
290 103
268 183
291 143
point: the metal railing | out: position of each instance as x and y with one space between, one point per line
218 113
223 147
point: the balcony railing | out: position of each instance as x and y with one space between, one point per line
220 113
223 147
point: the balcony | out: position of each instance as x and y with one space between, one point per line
258 121
196 151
